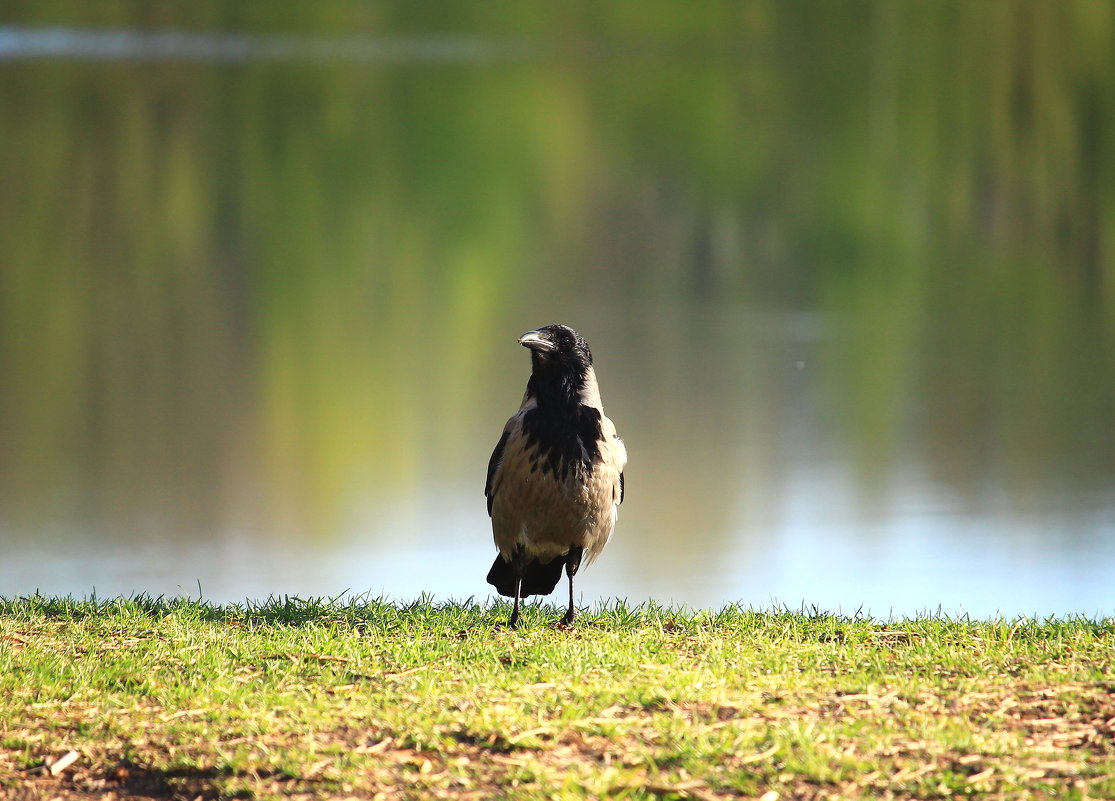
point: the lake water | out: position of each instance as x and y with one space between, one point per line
848 273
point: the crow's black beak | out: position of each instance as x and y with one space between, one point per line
534 341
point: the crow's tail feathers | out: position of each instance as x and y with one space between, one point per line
538 579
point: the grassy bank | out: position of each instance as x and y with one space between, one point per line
181 699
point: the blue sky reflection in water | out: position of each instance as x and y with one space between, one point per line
852 305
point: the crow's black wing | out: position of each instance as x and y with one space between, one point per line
493 464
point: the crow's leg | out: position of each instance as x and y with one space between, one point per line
513 621
518 567
572 563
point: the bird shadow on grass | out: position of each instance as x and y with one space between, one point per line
361 611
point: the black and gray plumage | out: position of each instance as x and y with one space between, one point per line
555 479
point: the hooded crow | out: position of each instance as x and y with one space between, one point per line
555 479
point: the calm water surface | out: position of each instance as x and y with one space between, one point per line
848 275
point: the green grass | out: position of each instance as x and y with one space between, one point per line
365 698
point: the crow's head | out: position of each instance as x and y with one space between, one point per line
557 347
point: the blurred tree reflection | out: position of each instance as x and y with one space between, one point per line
296 267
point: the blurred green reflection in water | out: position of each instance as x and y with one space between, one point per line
270 289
